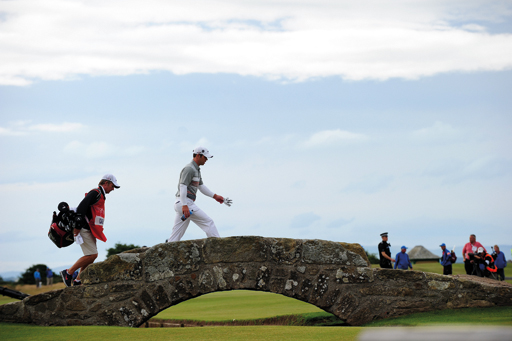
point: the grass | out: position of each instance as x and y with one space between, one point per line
28 332
467 316
250 305
457 269
28 289
238 305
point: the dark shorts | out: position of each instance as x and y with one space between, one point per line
447 270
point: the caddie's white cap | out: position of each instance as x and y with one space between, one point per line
202 151
111 178
480 249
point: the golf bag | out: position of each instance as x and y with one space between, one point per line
61 228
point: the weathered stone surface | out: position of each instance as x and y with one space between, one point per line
131 287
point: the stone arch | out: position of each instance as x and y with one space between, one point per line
130 288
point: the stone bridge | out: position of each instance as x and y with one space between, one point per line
129 288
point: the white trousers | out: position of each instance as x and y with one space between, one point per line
198 216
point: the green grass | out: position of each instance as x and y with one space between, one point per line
27 332
239 305
457 269
469 316
28 289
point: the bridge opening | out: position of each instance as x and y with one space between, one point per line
247 306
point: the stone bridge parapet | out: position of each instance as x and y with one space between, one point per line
129 288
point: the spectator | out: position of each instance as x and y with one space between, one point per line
446 260
37 277
49 276
471 247
385 253
485 262
500 262
402 259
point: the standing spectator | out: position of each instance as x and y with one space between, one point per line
37 277
446 260
471 247
385 253
402 259
49 276
500 262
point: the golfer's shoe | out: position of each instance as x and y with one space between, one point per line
66 278
77 282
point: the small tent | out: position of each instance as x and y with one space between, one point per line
419 254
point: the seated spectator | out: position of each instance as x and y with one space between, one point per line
446 260
486 263
402 259
500 262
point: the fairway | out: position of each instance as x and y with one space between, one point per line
238 305
263 333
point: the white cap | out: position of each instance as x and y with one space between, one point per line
112 179
202 151
480 249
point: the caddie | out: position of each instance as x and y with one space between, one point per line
90 215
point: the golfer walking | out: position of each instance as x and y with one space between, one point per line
185 207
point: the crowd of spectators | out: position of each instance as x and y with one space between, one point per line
477 261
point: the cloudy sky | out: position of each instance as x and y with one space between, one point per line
335 120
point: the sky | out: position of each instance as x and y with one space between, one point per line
327 120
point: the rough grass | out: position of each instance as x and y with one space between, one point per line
28 289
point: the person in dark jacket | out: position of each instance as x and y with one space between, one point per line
49 276
446 260
385 253
90 215
402 259
500 262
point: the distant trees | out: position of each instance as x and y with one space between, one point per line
28 276
118 248
372 257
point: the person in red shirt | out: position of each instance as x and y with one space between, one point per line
471 247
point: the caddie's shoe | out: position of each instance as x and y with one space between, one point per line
77 282
66 278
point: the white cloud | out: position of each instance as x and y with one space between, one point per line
438 131
64 127
279 40
333 137
188 147
21 128
98 150
304 220
11 132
